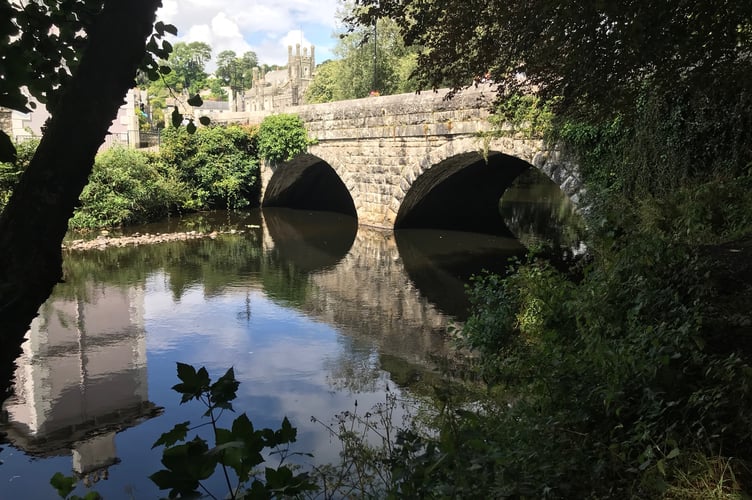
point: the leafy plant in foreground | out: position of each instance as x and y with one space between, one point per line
238 450
64 485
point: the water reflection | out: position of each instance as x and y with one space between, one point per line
308 308
538 214
81 378
441 263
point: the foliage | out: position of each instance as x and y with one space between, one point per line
647 105
237 72
609 380
522 114
188 63
369 60
128 187
668 142
370 443
64 485
596 57
323 86
281 137
238 449
218 164
41 45
41 63
10 172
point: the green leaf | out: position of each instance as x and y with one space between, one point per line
63 484
171 29
186 373
191 127
242 426
204 120
195 100
288 433
177 433
224 390
7 149
673 453
177 118
258 491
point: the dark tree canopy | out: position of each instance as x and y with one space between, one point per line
588 54
41 44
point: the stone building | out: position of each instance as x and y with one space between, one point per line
279 89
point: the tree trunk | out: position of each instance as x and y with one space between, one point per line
35 220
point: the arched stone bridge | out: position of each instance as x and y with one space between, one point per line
410 160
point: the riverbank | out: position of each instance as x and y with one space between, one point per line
104 240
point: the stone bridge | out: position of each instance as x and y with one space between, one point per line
411 160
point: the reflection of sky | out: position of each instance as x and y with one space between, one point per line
280 356
284 360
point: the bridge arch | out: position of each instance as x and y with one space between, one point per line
457 186
375 149
307 182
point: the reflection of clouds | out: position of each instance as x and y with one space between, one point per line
288 365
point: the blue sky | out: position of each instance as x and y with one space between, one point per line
266 27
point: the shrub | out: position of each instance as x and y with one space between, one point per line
608 380
217 163
127 187
10 173
281 137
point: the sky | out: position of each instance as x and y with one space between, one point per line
266 27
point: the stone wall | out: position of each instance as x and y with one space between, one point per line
403 323
379 146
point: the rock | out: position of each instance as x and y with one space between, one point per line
103 241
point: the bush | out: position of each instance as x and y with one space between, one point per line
608 381
127 187
281 137
10 173
218 164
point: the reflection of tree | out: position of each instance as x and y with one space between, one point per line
356 366
538 213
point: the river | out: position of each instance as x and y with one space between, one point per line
313 312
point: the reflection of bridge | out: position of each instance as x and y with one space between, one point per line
81 378
410 161
366 280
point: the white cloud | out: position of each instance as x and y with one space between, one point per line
264 26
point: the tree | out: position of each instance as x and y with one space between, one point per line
323 88
236 71
650 96
248 61
371 60
589 56
35 65
225 62
188 63
35 219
